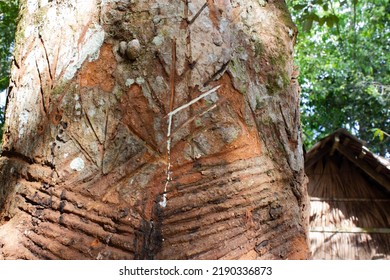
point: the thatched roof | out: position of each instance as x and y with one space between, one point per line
377 167
350 199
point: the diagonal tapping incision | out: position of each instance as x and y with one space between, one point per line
163 202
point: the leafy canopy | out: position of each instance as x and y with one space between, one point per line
8 15
343 53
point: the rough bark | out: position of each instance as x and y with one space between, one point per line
153 130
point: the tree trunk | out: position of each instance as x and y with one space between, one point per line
153 130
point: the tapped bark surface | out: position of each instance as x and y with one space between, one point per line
153 130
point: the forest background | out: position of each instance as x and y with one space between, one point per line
342 54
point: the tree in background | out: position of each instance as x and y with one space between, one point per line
8 15
343 54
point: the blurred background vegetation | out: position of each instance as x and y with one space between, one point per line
8 19
343 54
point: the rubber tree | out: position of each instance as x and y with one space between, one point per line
153 130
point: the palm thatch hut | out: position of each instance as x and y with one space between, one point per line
349 189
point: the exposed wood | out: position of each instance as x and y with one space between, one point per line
173 75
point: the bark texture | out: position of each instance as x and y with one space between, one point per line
153 130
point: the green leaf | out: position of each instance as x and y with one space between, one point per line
321 21
318 2
307 25
299 7
378 133
325 6
331 20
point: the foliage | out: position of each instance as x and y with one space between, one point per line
8 15
343 53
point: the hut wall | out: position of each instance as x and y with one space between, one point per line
350 213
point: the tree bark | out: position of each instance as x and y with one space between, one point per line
153 130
